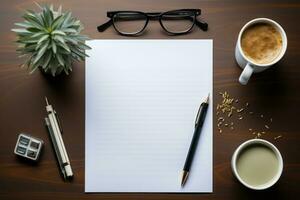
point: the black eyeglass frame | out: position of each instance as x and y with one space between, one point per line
155 16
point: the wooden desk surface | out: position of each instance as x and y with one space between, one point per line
274 93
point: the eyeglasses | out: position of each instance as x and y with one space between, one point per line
133 23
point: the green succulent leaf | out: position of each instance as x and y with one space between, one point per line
84 46
50 40
21 31
73 41
54 47
48 57
66 22
59 39
57 22
69 30
65 47
60 59
58 32
40 53
53 69
59 11
24 24
38 34
45 37
34 19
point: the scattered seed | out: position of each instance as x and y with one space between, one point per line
221 119
258 134
240 110
226 107
267 127
277 137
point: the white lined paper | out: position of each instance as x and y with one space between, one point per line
142 97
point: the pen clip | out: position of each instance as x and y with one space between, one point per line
58 121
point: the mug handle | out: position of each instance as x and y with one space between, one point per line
246 74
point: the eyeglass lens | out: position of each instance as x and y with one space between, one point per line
129 22
178 21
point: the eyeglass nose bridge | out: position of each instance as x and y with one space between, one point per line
154 16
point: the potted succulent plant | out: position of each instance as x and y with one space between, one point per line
50 40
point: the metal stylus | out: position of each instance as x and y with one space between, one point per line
55 131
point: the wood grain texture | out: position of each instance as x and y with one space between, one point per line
274 93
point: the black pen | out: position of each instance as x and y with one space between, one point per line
198 127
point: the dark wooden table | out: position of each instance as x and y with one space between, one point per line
274 93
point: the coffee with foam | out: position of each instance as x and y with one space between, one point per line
261 43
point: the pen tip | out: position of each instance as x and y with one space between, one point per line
46 100
207 98
184 177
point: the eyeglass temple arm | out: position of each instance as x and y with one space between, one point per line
201 25
105 26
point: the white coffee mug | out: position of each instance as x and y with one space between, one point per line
255 142
249 66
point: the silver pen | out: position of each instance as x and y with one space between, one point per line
55 130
